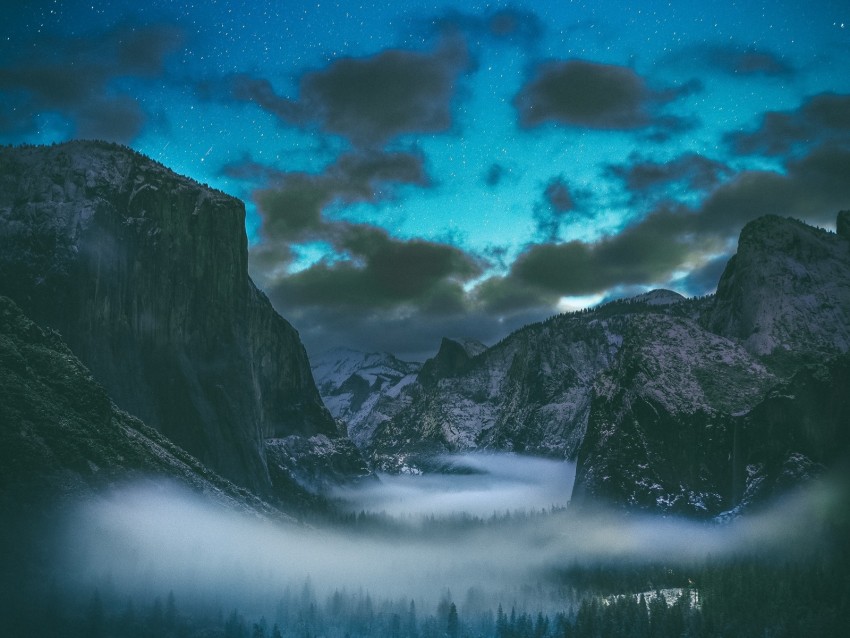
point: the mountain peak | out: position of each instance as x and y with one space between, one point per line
658 297
788 283
471 346
451 359
145 274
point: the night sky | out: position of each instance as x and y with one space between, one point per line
430 169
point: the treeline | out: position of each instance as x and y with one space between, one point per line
428 526
748 597
742 598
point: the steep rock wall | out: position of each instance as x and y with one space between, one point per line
144 273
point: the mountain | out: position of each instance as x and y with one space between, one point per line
691 406
63 444
61 437
799 430
144 273
357 387
650 396
786 293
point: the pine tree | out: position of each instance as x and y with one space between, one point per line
94 627
501 623
411 620
452 623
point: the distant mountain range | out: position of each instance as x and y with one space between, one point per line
658 398
691 406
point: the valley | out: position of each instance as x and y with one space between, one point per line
172 462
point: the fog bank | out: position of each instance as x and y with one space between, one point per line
479 485
152 538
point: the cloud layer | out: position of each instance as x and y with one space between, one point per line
369 100
152 538
76 78
587 94
411 174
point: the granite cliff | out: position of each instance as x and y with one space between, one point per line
658 398
144 273
62 438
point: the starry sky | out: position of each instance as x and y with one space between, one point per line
425 169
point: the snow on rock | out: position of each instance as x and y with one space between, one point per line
353 385
644 393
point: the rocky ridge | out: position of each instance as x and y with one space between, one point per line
648 395
145 275
358 388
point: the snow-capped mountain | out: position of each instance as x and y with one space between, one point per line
786 293
682 405
646 394
354 386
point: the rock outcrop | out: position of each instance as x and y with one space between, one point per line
145 275
360 389
786 293
62 438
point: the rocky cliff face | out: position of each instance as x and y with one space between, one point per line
359 388
786 293
800 429
658 433
144 273
62 438
63 443
649 394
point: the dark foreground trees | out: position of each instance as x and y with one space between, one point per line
742 598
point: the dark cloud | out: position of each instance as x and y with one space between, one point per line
495 174
819 119
813 188
652 249
369 100
704 280
292 206
408 335
369 269
249 170
558 195
380 291
511 25
558 200
118 118
390 294
645 252
499 173
384 272
735 60
599 96
691 172
143 51
247 88
505 295
75 78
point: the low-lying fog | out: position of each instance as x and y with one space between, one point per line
478 485
153 538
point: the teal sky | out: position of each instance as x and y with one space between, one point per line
459 169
